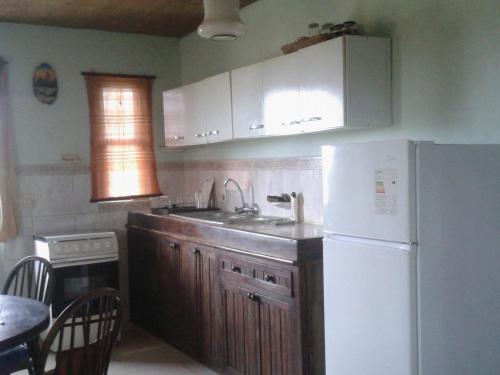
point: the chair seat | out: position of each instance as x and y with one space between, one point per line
14 359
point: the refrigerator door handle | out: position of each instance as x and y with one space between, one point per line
395 245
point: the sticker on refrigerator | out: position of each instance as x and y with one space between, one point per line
386 192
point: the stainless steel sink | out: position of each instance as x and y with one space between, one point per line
234 219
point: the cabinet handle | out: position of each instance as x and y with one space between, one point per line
291 123
256 127
236 269
213 132
176 138
196 251
253 297
199 135
310 119
173 246
270 279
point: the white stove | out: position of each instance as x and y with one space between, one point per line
63 250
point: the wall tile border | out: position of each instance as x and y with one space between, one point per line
296 163
299 163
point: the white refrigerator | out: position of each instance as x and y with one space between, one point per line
411 255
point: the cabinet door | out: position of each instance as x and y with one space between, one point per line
246 88
280 80
207 302
195 122
175 117
168 269
259 337
144 279
216 107
278 354
322 86
241 320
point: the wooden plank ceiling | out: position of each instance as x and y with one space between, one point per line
156 17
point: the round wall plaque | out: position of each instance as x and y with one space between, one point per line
45 83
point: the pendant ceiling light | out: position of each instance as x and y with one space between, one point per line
222 20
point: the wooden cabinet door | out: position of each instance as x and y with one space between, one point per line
144 278
259 334
241 320
168 271
276 339
208 306
246 89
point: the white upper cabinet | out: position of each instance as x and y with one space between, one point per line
198 113
281 94
246 87
341 83
321 79
175 117
216 109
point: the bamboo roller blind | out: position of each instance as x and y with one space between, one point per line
123 164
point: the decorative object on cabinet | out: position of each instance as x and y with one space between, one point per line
45 84
328 31
222 20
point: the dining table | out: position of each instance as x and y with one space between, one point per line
21 320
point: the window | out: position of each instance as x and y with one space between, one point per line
123 163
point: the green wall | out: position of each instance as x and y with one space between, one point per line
44 132
446 76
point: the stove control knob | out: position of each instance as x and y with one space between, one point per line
107 244
97 245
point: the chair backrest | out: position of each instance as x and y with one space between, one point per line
32 277
83 335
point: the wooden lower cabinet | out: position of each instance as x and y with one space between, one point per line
257 334
238 314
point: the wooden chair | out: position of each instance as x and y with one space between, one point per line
83 335
32 277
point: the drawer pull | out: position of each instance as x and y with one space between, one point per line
310 119
236 269
256 127
253 297
270 279
173 246
196 251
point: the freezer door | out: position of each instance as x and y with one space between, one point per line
370 307
369 190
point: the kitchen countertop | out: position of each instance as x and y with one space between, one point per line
289 242
295 232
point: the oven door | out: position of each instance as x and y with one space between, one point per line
74 281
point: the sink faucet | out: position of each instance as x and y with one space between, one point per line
245 208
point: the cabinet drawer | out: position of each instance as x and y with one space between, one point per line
257 275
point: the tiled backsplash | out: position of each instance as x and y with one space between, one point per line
55 198
259 178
